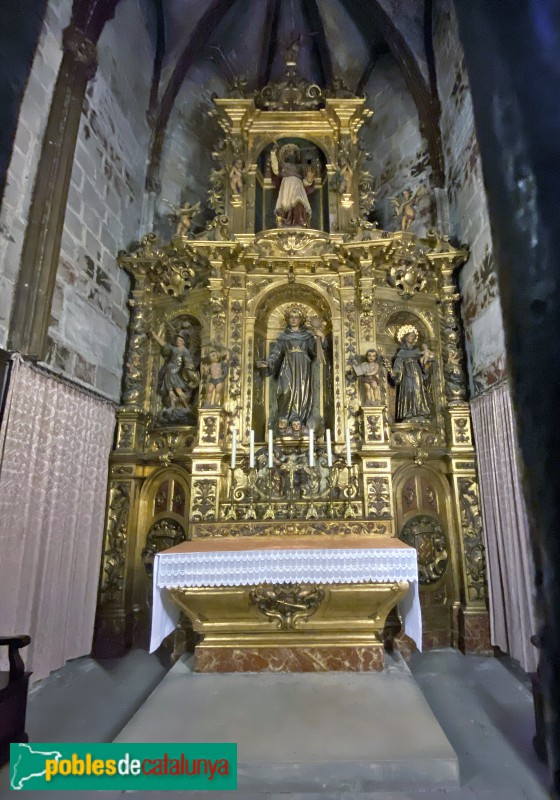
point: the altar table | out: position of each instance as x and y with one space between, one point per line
355 565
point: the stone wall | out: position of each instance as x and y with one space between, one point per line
191 136
468 211
89 317
28 140
399 151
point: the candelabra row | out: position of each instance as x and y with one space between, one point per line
311 448
244 496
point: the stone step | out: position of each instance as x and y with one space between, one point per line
306 732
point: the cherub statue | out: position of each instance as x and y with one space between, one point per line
405 207
345 174
370 373
183 216
215 373
178 377
318 328
427 356
236 177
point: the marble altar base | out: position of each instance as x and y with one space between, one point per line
303 628
290 659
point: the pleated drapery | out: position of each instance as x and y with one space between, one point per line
54 447
508 548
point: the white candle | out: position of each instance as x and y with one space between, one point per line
233 447
311 450
252 450
329 448
270 449
348 451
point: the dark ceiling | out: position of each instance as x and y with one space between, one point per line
340 39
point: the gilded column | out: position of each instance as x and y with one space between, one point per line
471 618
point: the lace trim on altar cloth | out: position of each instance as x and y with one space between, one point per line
285 566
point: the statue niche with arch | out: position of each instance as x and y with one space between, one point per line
291 186
411 371
293 361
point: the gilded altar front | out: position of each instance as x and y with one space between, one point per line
214 431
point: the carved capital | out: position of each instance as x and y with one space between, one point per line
82 49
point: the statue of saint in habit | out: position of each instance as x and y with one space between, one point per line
291 360
410 373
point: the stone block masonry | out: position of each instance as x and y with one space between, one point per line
87 332
469 221
399 152
20 177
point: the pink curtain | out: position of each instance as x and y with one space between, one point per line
510 564
54 446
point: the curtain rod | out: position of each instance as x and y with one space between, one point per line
48 372
490 389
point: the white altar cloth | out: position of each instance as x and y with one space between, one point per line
173 569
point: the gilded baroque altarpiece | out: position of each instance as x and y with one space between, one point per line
294 321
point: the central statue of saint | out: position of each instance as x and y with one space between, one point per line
294 185
291 360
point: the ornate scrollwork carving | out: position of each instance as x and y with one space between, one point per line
115 544
236 350
374 424
471 524
136 366
163 534
282 243
319 527
426 534
289 94
204 500
287 604
378 497
417 437
453 356
408 270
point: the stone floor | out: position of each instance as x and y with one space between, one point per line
484 708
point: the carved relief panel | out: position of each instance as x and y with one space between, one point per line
422 508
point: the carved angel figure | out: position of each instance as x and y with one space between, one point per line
345 175
371 373
183 216
215 374
405 207
236 177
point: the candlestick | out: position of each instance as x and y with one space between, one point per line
233 447
311 450
329 448
348 451
252 450
270 449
